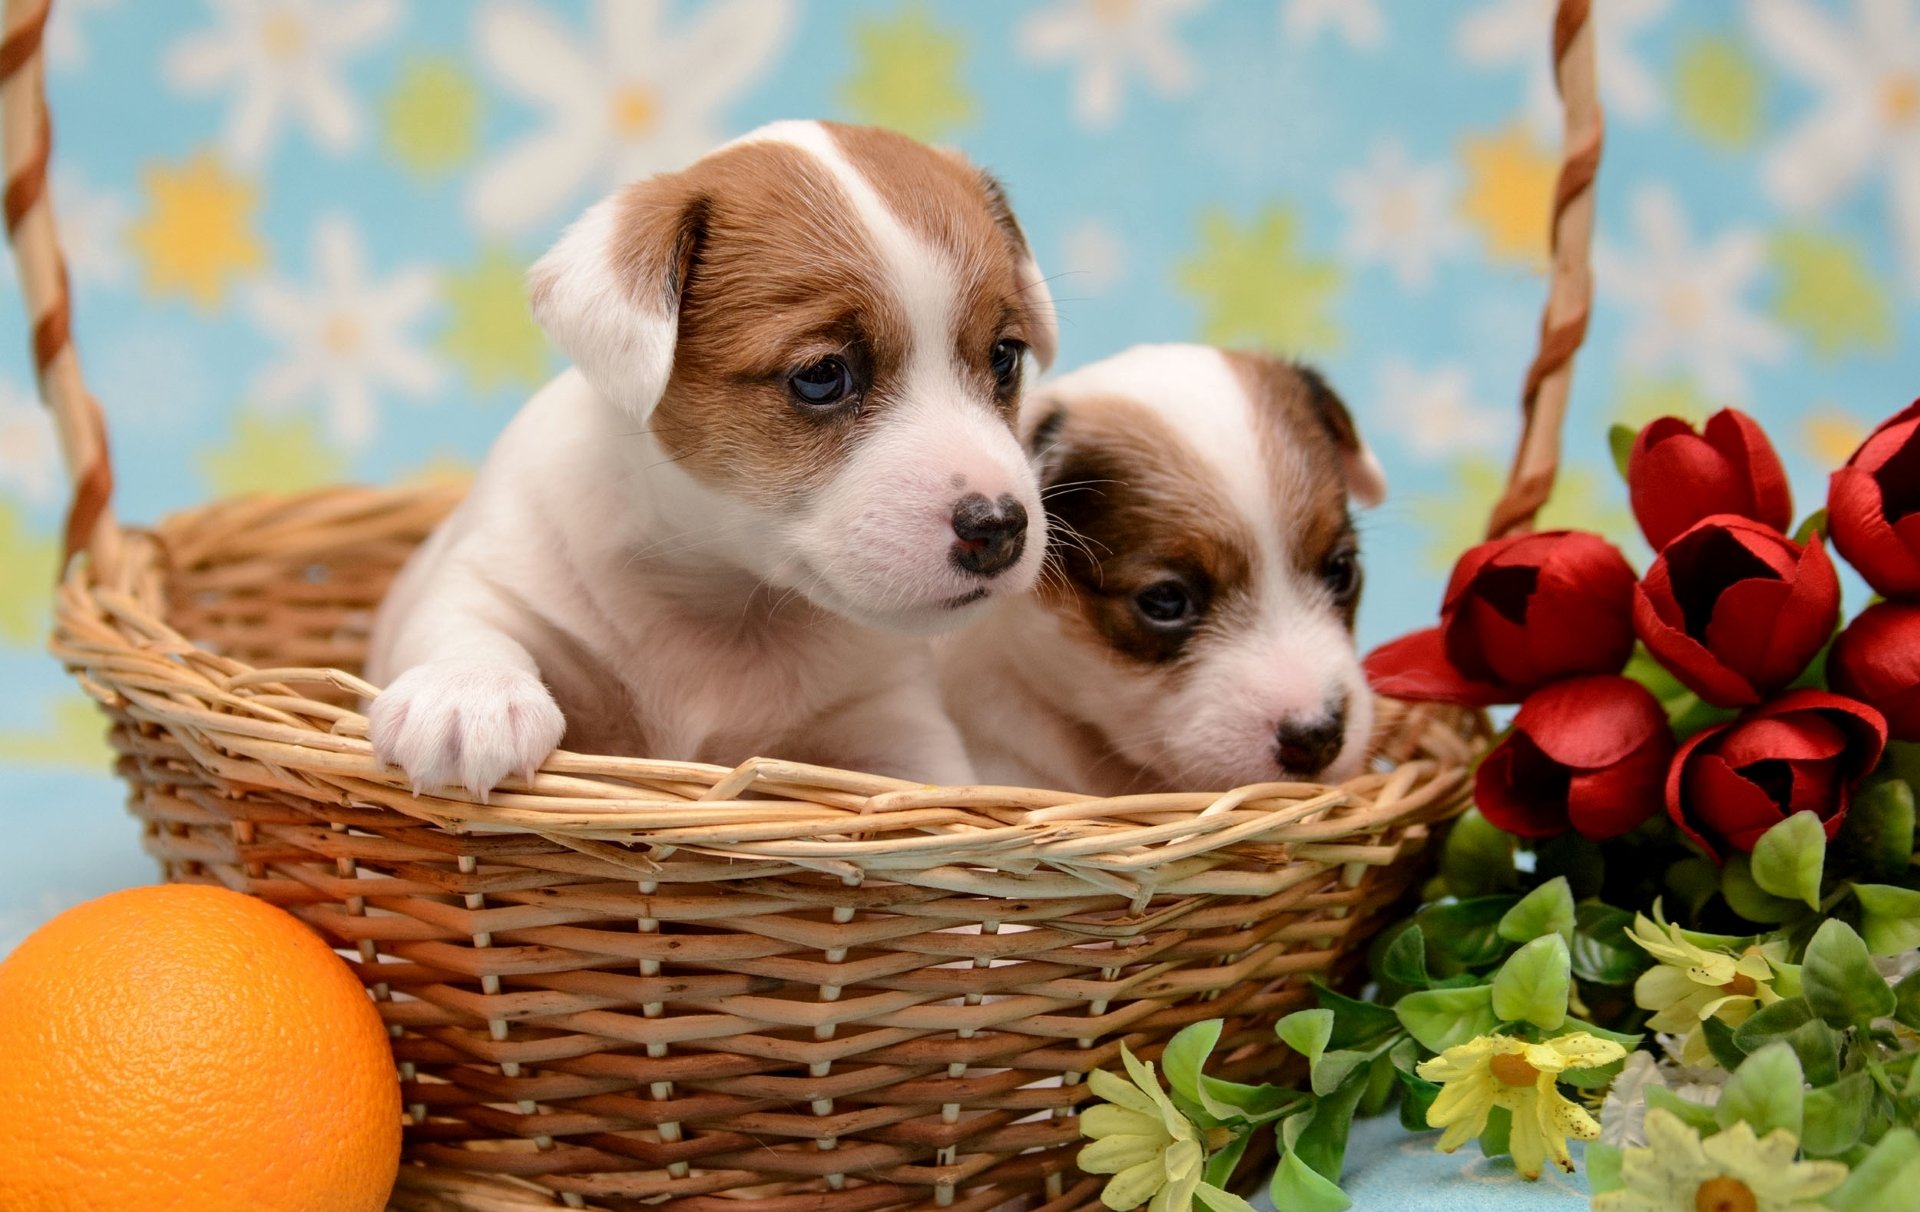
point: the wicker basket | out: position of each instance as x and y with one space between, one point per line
640 983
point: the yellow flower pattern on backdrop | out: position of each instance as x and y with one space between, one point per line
1717 92
909 74
30 563
272 454
1830 294
197 235
1583 499
490 332
74 738
432 116
1256 284
1509 193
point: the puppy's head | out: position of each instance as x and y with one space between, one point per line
1199 504
824 327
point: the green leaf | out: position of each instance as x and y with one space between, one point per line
1749 899
1840 980
1464 935
1355 1023
1441 1018
1181 1064
1306 1032
1727 1053
1906 1000
1578 860
1692 1114
1884 1180
1548 909
1692 883
1297 1188
1216 1199
1603 1168
1220 1165
1416 1095
1620 441
1405 962
1533 985
1767 1092
1836 1115
1322 1143
1602 952
1788 858
1814 523
1793 1022
1876 840
1890 917
1773 1022
1477 857
1497 1139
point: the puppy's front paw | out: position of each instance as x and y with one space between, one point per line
457 723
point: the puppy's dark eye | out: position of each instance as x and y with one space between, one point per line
823 384
1341 573
1167 605
1004 361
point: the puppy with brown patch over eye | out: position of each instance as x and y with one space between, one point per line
785 456
1194 628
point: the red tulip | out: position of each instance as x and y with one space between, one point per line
1589 754
1877 660
1873 506
1735 609
1519 612
1803 752
1675 477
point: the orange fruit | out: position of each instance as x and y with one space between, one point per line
188 1049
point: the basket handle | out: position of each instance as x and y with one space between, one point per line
1563 322
26 139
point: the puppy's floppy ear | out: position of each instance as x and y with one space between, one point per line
1366 479
1044 427
1044 333
608 292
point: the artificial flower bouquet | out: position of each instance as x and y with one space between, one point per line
1681 922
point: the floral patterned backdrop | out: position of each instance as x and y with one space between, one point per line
298 228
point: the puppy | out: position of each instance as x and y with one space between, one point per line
1199 630
785 455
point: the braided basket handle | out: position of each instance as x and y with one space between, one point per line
1563 322
28 143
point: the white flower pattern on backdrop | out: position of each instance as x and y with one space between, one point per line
1399 214
347 336
1867 77
29 455
1110 39
93 226
1518 34
631 98
282 59
1431 410
67 48
1686 300
1093 259
1359 23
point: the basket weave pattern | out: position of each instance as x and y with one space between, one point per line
634 983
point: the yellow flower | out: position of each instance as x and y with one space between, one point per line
1691 984
1140 1137
1731 1172
1502 1071
198 234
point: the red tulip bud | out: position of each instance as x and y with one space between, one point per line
1736 610
1877 660
1676 477
1803 752
1873 506
1589 754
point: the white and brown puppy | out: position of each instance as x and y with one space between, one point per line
786 454
1199 630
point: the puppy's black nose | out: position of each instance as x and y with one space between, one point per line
989 535
1306 747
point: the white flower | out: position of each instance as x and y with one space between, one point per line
1358 22
92 230
66 45
1623 1115
1111 38
1399 213
1685 300
629 99
1094 258
346 336
1867 75
29 453
1509 33
1432 410
282 60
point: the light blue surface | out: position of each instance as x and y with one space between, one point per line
1752 252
